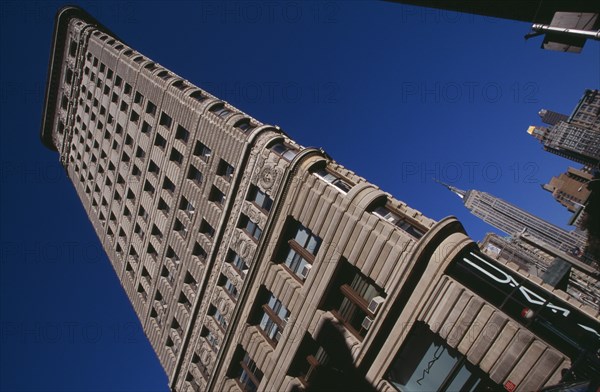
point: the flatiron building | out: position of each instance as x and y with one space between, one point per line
254 263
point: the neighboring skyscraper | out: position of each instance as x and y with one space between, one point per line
552 118
517 222
569 189
587 112
254 263
576 138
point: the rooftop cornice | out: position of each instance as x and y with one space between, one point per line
57 51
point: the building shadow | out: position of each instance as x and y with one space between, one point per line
339 373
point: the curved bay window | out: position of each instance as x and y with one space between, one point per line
395 219
426 363
334 179
283 150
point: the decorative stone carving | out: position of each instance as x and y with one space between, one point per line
268 176
205 356
243 248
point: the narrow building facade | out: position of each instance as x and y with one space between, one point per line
254 263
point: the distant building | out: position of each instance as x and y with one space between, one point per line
569 189
515 221
569 141
577 137
552 118
587 112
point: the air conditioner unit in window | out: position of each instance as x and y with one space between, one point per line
284 321
278 336
375 304
366 323
305 270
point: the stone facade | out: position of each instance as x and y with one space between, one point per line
570 188
238 247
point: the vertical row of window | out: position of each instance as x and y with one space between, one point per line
182 134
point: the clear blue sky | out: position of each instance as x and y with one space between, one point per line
398 94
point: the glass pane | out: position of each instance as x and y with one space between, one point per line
460 379
432 370
301 236
313 244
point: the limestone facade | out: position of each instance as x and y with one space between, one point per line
236 245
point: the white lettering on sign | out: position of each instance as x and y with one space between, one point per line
500 276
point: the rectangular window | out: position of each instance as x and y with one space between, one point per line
163 206
168 185
72 48
199 252
247 374
146 128
153 167
216 196
274 318
165 120
207 229
180 228
156 232
134 117
229 287
237 263
353 299
219 318
195 175
160 141
186 206
309 358
151 108
176 156
301 249
182 134
225 170
260 198
149 188
201 151
138 97
250 227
